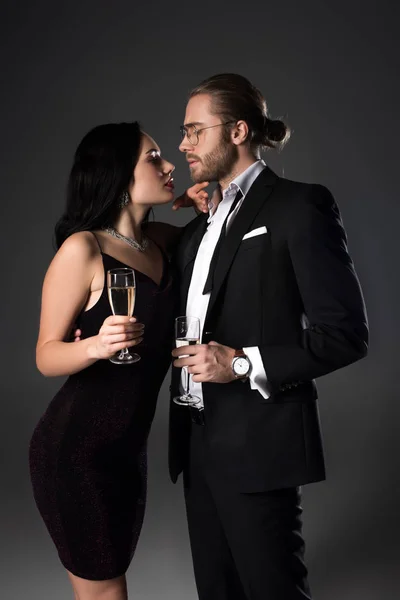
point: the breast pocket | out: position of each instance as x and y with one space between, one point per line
258 242
246 275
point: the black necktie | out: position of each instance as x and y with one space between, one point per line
210 277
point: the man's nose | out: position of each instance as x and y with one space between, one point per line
185 145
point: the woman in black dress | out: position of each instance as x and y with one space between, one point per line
88 451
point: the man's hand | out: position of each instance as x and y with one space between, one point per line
206 362
194 196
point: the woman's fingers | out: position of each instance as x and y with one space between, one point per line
120 329
116 333
197 190
122 345
121 337
192 196
108 348
200 186
120 324
119 320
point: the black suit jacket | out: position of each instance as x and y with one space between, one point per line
262 287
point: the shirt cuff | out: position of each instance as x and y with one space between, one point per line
258 377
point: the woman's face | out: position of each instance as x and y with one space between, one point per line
152 181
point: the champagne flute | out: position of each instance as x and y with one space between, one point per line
121 289
187 333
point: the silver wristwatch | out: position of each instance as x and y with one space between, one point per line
240 365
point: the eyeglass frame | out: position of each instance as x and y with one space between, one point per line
196 131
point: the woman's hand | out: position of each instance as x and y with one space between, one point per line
194 196
116 333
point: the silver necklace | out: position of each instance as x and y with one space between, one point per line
130 241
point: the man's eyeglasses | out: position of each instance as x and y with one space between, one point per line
192 133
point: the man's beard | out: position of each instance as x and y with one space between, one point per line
218 164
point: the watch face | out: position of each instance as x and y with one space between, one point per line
241 366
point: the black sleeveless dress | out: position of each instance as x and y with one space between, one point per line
88 451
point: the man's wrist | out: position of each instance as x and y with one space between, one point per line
241 365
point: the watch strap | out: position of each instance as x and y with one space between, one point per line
239 352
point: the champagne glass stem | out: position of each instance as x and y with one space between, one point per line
187 391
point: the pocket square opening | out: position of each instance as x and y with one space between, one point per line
254 232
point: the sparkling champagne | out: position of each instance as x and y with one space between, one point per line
122 300
186 342
187 333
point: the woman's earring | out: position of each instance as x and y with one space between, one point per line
124 200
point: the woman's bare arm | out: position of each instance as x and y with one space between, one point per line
66 289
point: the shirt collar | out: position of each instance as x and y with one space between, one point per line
242 182
245 180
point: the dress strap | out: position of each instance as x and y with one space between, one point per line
97 240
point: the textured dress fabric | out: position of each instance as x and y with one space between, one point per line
88 451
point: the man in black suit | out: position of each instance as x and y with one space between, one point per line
268 274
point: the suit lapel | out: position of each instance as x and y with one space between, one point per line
193 239
189 248
252 204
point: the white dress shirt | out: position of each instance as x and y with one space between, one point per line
197 303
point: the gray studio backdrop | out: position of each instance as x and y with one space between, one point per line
331 68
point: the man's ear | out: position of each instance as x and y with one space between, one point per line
240 133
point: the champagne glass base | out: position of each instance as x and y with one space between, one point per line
125 359
187 400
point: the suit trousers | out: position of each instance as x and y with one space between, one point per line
245 546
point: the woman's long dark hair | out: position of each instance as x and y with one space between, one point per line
102 170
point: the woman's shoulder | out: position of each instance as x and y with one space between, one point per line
164 234
83 244
81 241
76 259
